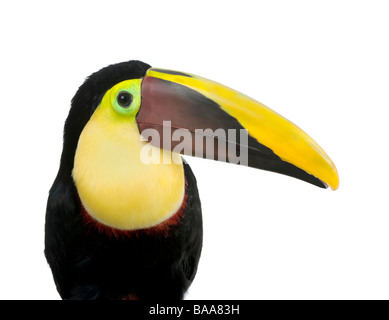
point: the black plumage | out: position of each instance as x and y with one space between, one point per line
90 264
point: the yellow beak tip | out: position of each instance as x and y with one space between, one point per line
335 186
334 183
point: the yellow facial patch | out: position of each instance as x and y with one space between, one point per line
115 186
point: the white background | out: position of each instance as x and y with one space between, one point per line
322 64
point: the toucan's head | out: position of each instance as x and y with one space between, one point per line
131 99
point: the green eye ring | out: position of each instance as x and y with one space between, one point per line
126 97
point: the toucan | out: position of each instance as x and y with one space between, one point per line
123 217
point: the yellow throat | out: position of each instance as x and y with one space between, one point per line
114 185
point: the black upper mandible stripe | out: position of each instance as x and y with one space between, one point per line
177 73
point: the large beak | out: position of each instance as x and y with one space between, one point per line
208 109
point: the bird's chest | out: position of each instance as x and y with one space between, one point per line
116 186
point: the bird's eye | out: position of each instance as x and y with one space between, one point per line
124 99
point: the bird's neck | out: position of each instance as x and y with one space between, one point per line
115 186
